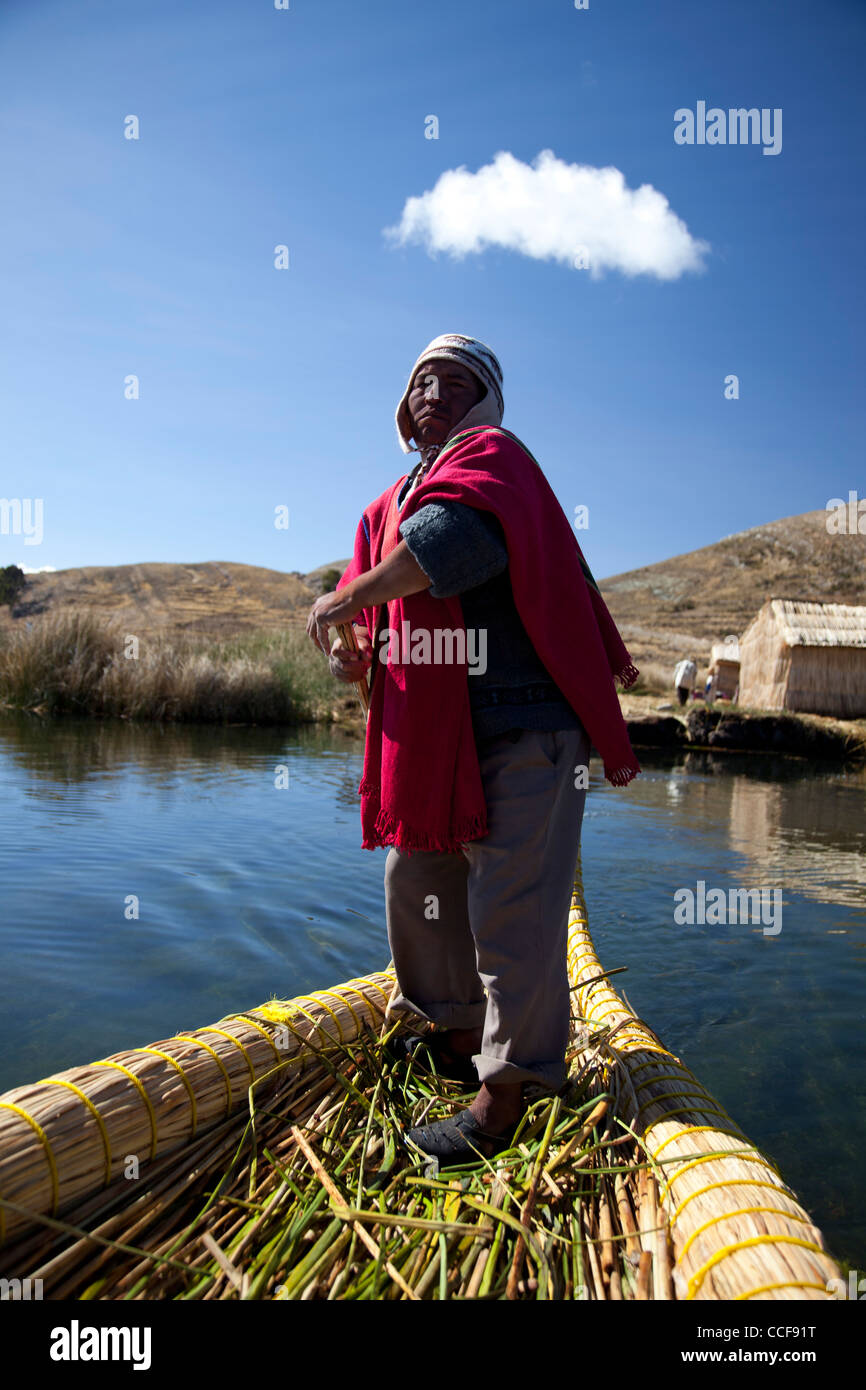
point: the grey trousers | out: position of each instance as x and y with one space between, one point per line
494 916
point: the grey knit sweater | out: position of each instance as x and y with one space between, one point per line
463 551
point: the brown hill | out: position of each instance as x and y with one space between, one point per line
664 611
679 607
215 599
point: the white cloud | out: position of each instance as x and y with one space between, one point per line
42 569
584 217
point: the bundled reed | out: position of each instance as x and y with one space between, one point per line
100 1125
736 1228
631 1184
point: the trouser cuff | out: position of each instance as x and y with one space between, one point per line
551 1075
444 1014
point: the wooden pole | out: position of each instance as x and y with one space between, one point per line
347 636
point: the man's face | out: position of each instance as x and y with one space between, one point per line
442 392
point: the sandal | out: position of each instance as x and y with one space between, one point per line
452 1066
460 1139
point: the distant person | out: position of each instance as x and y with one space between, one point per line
709 690
685 676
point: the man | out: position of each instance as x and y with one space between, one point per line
476 778
685 675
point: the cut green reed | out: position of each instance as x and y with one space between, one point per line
353 1213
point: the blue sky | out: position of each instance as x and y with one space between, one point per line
306 127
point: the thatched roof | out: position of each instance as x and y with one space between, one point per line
729 650
803 624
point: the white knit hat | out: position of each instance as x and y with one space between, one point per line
481 361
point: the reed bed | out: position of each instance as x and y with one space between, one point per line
79 663
315 1196
630 1184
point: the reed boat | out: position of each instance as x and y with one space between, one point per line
262 1157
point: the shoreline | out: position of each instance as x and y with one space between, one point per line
731 728
652 724
81 665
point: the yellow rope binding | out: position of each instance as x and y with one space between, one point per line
667 1076
197 1042
137 1083
614 1009
687 1110
222 1032
334 995
741 1211
46 1144
319 1027
675 1062
702 1129
765 1288
85 1100
311 999
741 1157
184 1078
373 984
304 1041
362 996
731 1182
698 1277
260 1027
624 1045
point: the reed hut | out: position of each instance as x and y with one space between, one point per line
799 655
725 667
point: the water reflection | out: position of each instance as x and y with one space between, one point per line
812 843
65 756
798 824
72 751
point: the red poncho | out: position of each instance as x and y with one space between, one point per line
421 788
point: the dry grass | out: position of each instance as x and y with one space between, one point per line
656 678
71 662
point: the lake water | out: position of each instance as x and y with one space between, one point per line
247 890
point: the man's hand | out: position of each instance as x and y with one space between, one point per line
397 576
326 612
351 666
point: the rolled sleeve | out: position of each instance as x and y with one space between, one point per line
458 547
